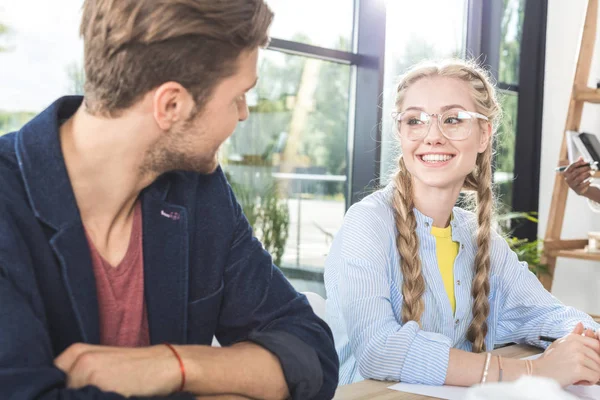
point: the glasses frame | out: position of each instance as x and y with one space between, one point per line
397 115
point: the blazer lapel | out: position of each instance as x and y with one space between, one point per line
166 263
72 251
41 162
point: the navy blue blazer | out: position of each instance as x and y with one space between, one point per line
204 274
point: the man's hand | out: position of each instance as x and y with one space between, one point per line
577 176
147 371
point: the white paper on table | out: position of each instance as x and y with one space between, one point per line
584 392
525 388
442 392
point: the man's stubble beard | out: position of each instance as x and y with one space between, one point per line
174 153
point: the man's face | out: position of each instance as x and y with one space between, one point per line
193 144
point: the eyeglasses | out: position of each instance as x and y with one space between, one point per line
455 124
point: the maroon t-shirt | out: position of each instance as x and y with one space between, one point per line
120 290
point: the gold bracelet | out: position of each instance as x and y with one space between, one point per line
529 366
486 367
500 369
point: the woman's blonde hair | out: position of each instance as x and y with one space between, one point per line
479 181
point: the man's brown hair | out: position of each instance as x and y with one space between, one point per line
134 46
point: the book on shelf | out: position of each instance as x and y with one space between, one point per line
583 144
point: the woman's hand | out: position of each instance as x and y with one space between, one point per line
573 359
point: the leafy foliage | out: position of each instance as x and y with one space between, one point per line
527 251
11 121
267 213
3 31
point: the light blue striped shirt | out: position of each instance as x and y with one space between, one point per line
364 300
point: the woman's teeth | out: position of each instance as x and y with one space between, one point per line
436 157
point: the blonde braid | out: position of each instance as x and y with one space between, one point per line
480 288
407 242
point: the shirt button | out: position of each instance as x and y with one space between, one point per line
462 246
426 223
456 321
458 282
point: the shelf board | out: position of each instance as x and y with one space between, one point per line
579 254
588 94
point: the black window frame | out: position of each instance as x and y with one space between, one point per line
483 42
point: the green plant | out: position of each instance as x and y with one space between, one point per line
530 252
275 219
267 213
527 251
11 121
3 31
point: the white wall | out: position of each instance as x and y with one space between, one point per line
576 282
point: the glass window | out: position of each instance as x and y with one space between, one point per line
38 53
510 44
510 51
505 151
416 31
287 162
320 23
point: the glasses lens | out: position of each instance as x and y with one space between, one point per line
413 124
456 124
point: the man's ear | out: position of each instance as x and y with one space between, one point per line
486 136
171 103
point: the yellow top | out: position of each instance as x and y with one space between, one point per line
446 251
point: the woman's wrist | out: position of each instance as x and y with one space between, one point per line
536 367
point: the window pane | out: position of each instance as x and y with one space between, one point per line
510 45
416 31
505 151
39 53
321 23
287 162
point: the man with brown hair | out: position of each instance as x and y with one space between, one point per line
122 248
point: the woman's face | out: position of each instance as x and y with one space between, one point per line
435 160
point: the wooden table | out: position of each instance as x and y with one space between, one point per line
377 390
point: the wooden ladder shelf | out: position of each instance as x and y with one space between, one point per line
554 247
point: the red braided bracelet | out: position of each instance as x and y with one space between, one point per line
181 366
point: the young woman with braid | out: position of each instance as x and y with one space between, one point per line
421 291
